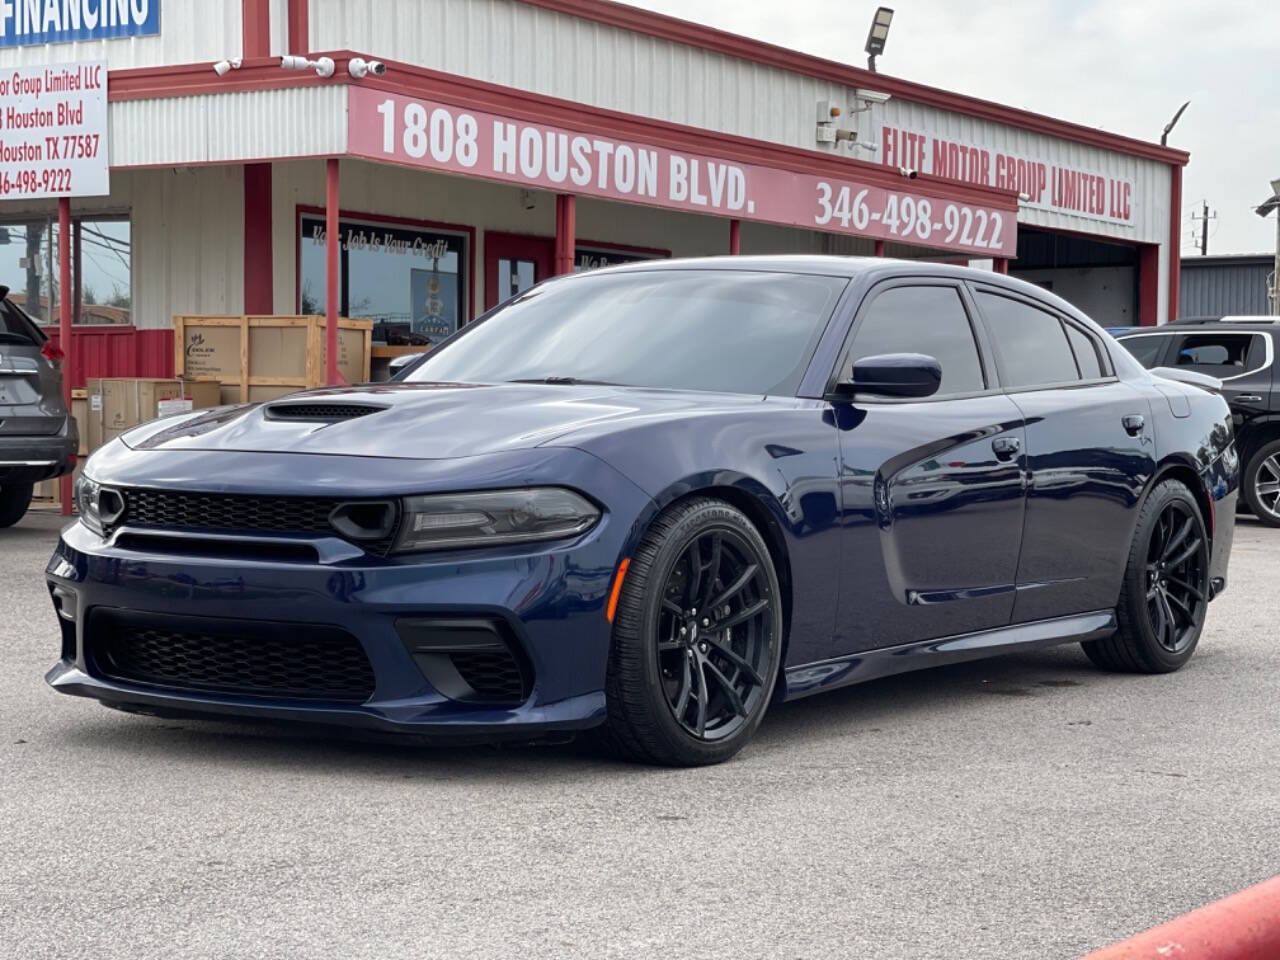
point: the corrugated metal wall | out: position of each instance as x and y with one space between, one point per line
123 351
191 31
1215 288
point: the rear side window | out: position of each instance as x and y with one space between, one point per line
1086 352
1146 349
14 327
1032 343
929 319
1220 354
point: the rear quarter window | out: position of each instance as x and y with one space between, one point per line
1145 349
14 327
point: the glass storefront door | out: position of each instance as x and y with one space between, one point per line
514 263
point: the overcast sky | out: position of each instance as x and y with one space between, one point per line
1121 66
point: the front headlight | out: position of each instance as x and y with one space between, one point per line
87 500
493 517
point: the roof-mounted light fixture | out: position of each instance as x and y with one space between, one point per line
877 35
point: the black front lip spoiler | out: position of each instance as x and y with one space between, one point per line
66 677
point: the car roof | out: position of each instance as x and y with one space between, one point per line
1225 326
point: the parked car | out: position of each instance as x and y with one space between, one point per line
1239 351
38 437
654 499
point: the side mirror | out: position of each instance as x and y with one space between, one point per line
398 365
895 375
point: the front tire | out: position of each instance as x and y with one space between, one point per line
15 498
697 638
1262 484
1166 588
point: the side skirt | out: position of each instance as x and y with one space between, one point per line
810 678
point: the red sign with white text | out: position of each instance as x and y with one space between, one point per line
389 127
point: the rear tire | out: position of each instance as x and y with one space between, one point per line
697 639
14 500
1166 588
1262 484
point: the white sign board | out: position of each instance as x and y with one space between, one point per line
53 131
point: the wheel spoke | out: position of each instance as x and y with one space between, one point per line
735 700
736 659
1176 540
672 608
1160 623
1181 605
703 696
704 598
693 583
1187 588
1188 552
686 686
736 587
1170 625
745 614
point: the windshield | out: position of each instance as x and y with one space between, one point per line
723 330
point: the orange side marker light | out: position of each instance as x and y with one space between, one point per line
617 587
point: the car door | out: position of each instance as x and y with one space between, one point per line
1241 359
1090 452
931 489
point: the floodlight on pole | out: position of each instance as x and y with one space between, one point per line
877 35
1263 210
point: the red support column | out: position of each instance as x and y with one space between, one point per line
879 248
255 28
258 281
299 27
1175 241
331 376
77 261
1148 284
64 323
566 232
1002 265
735 237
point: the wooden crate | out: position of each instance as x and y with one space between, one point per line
261 358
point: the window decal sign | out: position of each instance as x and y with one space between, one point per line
53 130
398 129
24 22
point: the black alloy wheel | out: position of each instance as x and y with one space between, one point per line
697 638
1262 484
1165 594
715 634
1177 576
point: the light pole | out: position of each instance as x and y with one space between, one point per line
1262 211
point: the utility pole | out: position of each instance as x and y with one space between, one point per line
1204 227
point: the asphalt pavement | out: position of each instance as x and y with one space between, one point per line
1028 806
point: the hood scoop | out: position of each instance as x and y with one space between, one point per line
314 412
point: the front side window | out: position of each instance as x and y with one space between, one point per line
926 319
1032 343
1146 348
730 331
1220 354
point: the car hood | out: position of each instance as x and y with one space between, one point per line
428 421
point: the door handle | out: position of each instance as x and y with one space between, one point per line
1006 447
1247 398
1133 424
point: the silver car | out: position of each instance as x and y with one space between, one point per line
38 439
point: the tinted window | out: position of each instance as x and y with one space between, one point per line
1145 349
14 327
1219 354
1086 352
723 330
1031 342
929 320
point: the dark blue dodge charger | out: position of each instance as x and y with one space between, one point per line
654 500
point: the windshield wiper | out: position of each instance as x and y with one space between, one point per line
566 381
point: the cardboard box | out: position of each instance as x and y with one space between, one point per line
117 403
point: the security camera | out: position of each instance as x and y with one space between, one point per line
359 68
872 96
323 67
909 173
223 67
1024 197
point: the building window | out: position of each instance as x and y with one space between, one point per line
412 282
101 268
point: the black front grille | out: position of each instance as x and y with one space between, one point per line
226 512
493 676
327 412
246 658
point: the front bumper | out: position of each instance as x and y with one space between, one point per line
26 459
551 601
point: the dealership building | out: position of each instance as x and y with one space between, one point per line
466 149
